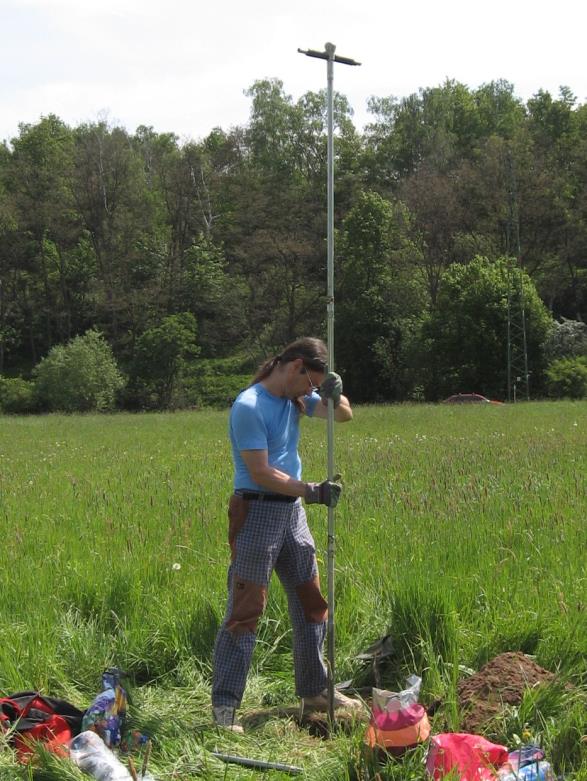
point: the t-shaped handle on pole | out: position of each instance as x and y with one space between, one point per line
331 58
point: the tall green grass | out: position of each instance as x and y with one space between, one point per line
461 530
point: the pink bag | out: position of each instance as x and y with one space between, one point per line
472 757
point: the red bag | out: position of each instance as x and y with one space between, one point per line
472 756
33 718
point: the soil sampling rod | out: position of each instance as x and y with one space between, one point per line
331 58
257 763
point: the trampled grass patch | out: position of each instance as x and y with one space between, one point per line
461 531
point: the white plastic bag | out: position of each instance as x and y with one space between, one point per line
391 702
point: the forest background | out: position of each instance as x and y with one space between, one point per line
142 271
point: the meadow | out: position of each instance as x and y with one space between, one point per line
461 531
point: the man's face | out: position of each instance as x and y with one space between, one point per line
303 380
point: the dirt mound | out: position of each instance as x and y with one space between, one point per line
500 682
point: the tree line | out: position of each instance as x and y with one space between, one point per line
457 209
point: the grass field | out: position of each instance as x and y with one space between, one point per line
462 530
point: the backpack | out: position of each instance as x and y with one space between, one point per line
31 717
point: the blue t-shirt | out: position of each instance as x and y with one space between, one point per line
261 421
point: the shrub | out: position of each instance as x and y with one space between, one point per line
17 396
215 390
567 378
216 382
81 376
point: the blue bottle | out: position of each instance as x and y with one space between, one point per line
107 713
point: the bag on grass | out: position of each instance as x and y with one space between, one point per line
32 718
398 721
472 757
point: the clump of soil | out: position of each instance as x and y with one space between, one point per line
317 723
500 682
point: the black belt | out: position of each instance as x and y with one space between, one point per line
256 496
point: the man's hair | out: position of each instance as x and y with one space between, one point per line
312 351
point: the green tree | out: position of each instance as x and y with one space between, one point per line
36 177
378 297
466 332
275 241
162 354
114 206
438 217
10 324
438 126
185 268
500 112
553 221
214 298
81 376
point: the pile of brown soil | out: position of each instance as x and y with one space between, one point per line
500 682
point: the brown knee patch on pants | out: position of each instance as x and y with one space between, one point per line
248 603
313 603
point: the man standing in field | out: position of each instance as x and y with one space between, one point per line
268 529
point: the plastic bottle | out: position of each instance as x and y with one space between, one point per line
107 712
89 752
525 755
536 771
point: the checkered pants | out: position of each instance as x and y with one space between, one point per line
273 536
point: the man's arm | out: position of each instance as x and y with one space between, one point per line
327 492
342 413
275 481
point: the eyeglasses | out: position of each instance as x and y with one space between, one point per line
310 383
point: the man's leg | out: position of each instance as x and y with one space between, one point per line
297 569
232 654
255 549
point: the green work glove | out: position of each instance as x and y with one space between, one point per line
327 492
331 388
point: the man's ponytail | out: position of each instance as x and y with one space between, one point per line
265 369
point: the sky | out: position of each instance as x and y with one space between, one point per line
183 67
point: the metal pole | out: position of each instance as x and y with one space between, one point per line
329 47
257 763
328 54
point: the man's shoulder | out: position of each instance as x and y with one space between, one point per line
258 401
249 397
250 400
249 413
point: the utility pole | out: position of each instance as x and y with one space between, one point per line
331 58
